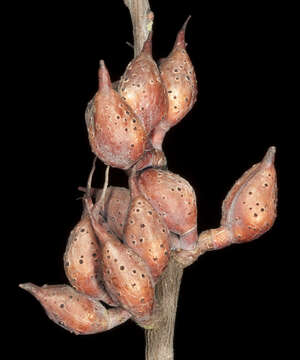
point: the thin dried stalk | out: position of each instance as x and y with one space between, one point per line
160 340
142 20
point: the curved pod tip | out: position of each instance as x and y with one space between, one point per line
269 157
185 23
103 76
180 40
31 288
250 207
74 311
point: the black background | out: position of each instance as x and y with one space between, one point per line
231 300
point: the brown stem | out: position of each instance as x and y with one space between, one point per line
159 341
205 243
142 20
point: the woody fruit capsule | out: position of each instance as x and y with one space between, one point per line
82 261
178 75
142 88
74 311
126 276
146 231
116 134
175 200
248 211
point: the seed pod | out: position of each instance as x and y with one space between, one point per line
146 232
249 209
76 312
141 87
116 134
174 198
116 205
126 276
82 261
178 75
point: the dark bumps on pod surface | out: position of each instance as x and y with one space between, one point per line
116 134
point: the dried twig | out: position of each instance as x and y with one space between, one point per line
142 20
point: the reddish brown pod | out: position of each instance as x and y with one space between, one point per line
249 209
179 78
173 198
116 206
142 88
116 203
126 276
74 311
82 261
116 134
146 232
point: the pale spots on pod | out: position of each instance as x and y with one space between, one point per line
111 130
76 312
143 89
249 209
174 198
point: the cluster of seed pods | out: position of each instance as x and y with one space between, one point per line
118 250
127 126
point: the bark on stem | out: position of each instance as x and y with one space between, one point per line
159 341
142 19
